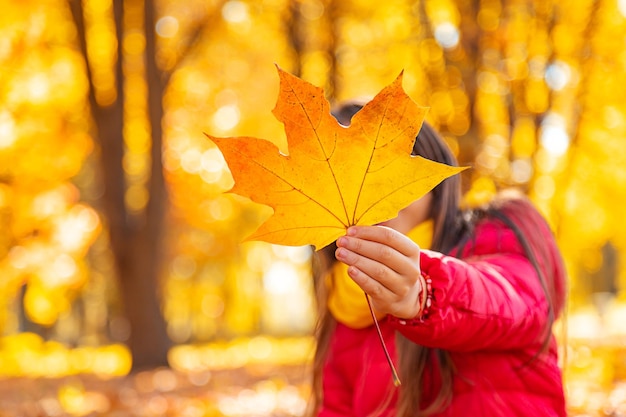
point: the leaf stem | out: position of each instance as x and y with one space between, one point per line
394 374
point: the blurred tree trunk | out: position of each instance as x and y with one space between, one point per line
294 22
135 241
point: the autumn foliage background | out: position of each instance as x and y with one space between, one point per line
120 252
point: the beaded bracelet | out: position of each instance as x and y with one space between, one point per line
426 296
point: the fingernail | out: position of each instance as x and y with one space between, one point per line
353 272
351 231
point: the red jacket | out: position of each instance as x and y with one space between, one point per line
489 311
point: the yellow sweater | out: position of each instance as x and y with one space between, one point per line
346 300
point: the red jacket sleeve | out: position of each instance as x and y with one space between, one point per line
492 299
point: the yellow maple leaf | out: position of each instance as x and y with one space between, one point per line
334 176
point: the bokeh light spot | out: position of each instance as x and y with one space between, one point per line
235 12
280 278
312 10
167 27
136 197
8 131
521 170
447 35
38 88
558 75
554 136
226 117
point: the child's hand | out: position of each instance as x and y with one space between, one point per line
385 264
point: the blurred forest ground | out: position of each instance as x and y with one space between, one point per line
263 390
119 250
261 387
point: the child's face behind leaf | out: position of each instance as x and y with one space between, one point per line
411 216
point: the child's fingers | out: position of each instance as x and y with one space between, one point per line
383 255
386 236
366 269
374 287
390 292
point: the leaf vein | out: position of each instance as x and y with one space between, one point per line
395 190
293 187
319 142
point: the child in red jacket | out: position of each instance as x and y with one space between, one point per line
464 299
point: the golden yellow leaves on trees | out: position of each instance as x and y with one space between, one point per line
334 177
